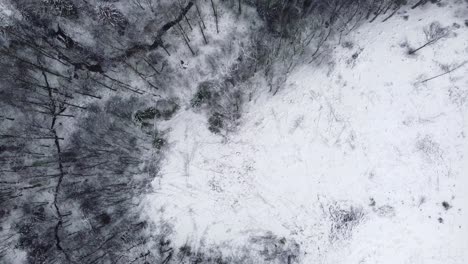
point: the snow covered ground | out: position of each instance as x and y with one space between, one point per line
364 133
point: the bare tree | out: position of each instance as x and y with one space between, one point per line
434 32
215 14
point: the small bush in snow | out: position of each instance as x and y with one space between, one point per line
223 100
165 109
63 8
144 115
343 220
112 16
215 123
435 31
203 95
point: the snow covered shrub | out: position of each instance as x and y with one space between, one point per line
215 123
63 8
385 211
435 31
222 100
158 141
348 45
166 108
343 219
274 249
430 150
204 94
458 96
245 66
142 116
112 16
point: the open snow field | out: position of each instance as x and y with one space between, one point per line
358 160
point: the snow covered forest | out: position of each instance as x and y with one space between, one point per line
234 131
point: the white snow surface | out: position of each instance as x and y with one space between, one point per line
342 133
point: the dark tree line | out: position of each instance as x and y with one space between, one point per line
72 154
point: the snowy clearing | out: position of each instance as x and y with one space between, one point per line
364 132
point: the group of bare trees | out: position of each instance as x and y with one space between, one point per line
72 159
74 152
293 33
301 31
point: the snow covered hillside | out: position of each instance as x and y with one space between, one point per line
360 159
